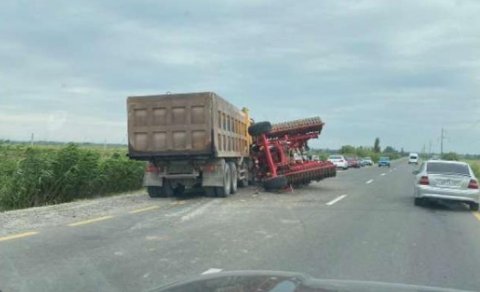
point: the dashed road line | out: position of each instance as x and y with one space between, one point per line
369 181
336 200
18 235
90 221
143 209
212 271
383 174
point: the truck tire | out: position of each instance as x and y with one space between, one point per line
159 192
154 192
275 183
234 177
259 128
224 191
210 192
244 181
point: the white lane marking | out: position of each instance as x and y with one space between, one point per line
212 271
383 174
369 181
336 200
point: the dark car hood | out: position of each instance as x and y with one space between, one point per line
263 281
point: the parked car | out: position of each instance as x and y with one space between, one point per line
353 162
339 161
413 158
384 161
446 180
366 161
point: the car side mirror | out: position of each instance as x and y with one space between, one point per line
416 172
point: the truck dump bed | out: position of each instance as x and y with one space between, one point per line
185 125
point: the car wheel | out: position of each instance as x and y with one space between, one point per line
474 206
419 202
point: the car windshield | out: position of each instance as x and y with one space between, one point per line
447 168
384 158
335 157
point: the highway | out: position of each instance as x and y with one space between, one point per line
361 225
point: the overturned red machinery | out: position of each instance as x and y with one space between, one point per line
279 153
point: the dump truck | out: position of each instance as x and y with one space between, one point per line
200 140
189 140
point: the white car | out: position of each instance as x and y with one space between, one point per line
448 181
339 161
413 158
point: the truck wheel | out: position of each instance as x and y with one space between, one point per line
244 181
275 183
210 192
159 192
155 192
224 191
259 128
233 177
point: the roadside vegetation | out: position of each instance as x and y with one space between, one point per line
43 175
374 152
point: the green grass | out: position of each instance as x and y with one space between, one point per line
44 174
475 165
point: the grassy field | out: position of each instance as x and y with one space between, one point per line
475 165
44 174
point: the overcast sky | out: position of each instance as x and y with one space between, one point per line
398 70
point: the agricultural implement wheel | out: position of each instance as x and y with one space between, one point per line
259 128
275 183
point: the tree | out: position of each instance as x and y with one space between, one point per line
376 145
389 149
451 156
347 149
362 151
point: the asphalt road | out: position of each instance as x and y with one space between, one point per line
361 225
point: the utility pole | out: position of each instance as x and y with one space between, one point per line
31 139
442 137
430 148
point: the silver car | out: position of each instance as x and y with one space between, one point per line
446 180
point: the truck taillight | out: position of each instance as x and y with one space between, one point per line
424 180
473 184
151 168
210 168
